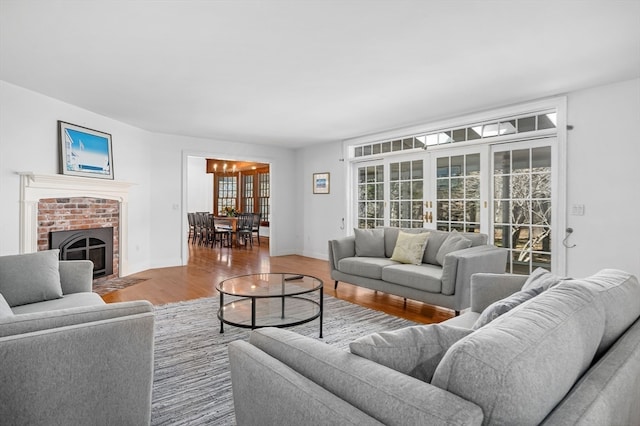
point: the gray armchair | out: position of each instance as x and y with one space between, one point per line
73 360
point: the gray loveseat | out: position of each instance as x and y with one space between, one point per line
441 278
67 357
569 355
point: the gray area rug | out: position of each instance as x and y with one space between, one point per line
192 384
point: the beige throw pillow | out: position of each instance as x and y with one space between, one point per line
410 247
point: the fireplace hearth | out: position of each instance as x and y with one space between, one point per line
94 244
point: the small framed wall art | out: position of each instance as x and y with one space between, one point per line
84 152
321 183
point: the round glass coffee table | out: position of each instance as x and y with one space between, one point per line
269 300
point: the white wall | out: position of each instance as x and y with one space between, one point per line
322 213
157 165
200 186
29 142
604 176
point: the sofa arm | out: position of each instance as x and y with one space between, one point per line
340 249
76 276
461 264
488 288
95 372
267 392
374 389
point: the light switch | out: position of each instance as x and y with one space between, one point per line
577 210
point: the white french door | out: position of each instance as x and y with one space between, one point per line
504 190
458 194
523 192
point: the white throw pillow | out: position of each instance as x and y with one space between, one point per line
415 351
410 247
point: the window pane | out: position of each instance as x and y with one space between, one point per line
394 172
443 167
520 161
526 124
541 159
472 187
459 135
457 165
507 127
443 189
473 164
547 121
416 170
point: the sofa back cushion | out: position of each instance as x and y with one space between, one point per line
369 242
519 366
30 278
619 294
437 238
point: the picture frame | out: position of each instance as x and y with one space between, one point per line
321 183
84 152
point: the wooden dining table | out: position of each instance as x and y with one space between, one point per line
224 221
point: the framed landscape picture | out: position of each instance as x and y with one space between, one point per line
84 152
321 183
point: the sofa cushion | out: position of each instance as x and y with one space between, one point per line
369 267
543 279
519 366
503 306
415 351
391 236
453 242
72 300
619 294
436 238
410 247
30 278
421 277
369 242
5 309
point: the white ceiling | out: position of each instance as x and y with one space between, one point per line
298 72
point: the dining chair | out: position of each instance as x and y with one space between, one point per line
221 233
255 228
244 229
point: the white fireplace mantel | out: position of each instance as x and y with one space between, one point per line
34 187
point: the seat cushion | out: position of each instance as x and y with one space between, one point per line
30 278
72 300
421 277
369 267
523 363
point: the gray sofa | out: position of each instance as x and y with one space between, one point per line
441 279
67 357
569 355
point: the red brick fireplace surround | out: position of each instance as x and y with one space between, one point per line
77 213
60 202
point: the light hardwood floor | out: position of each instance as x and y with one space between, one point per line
207 266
